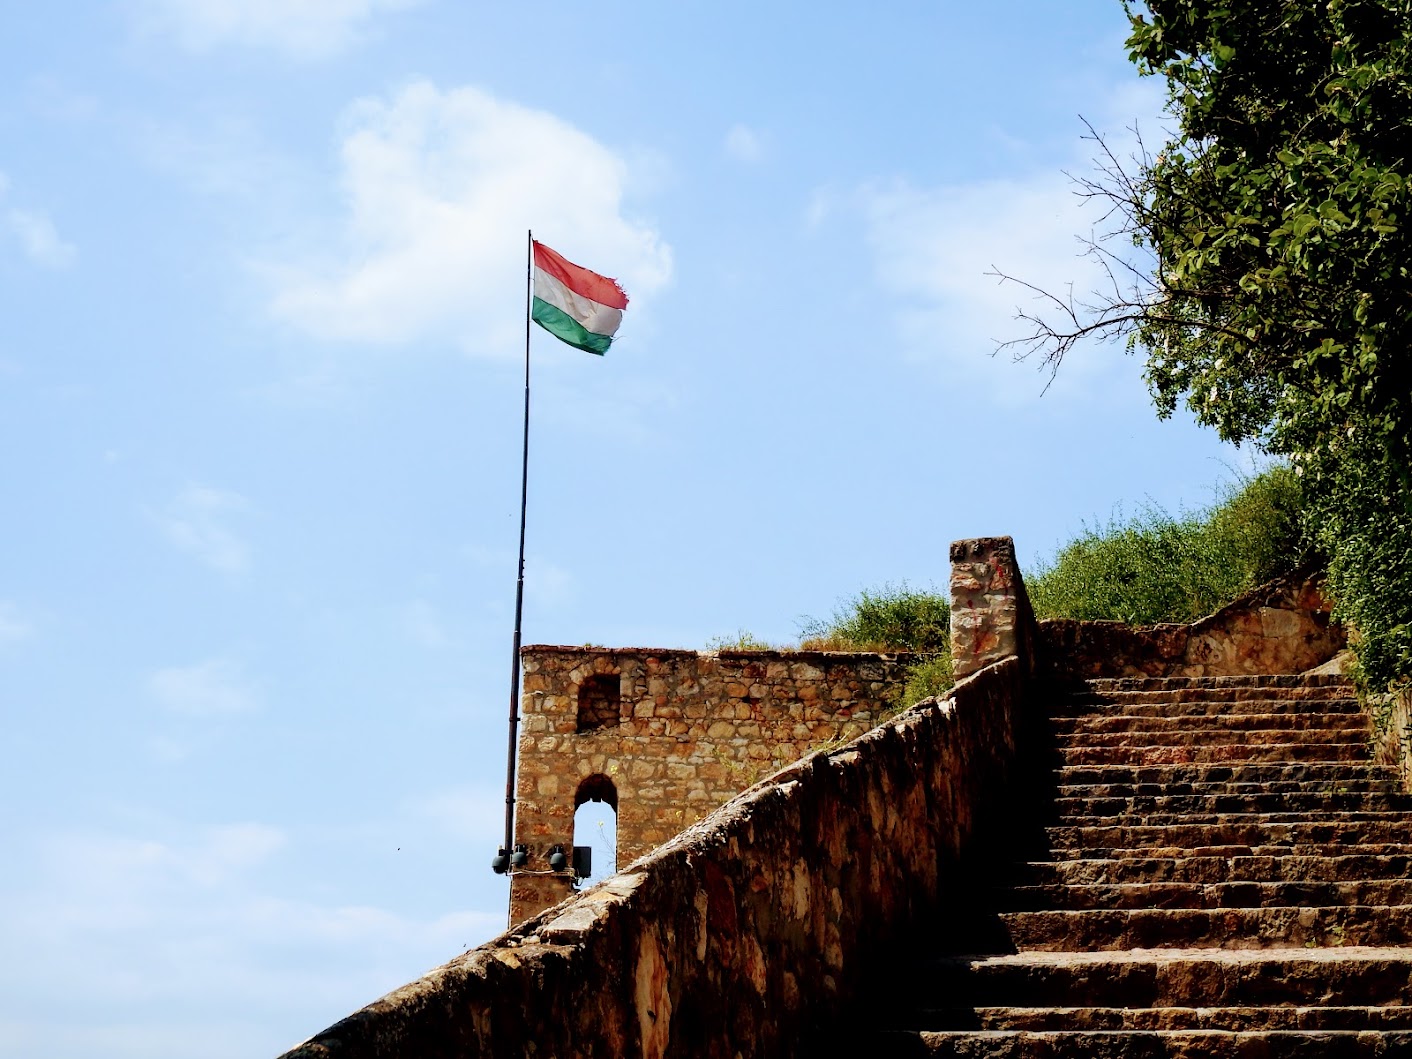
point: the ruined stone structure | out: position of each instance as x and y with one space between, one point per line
667 736
827 888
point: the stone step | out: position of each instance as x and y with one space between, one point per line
1227 803
1094 723
1160 706
1171 820
1262 772
1360 787
1307 894
1213 735
1168 977
1247 831
1242 1019
1290 868
1375 849
1324 751
1287 683
1220 928
1136 1044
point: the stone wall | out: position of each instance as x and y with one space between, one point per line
667 736
1281 627
1392 731
750 931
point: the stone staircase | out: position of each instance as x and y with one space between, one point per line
1223 873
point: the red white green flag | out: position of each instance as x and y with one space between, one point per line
575 305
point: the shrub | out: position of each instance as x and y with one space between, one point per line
743 640
1157 567
928 678
891 618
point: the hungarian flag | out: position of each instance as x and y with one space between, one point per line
580 307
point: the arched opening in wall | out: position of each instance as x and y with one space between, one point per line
596 825
599 698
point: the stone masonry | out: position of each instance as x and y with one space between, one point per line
666 736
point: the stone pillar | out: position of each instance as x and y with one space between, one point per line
991 617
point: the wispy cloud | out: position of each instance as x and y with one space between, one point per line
744 144
185 934
198 520
35 233
13 623
216 687
303 29
440 187
936 248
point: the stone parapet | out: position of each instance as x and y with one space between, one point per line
1280 627
991 616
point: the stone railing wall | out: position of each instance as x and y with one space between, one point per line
1281 627
667 736
750 931
1392 731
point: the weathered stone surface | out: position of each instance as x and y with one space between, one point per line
692 729
1281 627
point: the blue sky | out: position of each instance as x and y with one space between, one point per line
261 278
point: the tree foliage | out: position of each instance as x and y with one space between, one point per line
1272 291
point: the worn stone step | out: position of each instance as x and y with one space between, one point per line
1228 803
1235 831
1242 1019
1305 893
1289 868
1361 787
1286 683
1137 1044
1167 977
1377 849
1171 773
1212 735
1221 928
1254 750
1171 820
1131 724
1161 706
1223 799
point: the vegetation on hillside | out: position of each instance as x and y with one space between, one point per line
1156 566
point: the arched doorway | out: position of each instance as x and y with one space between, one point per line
596 825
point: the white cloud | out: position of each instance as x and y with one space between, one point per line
39 239
934 248
196 521
743 144
300 28
35 233
155 940
213 688
440 188
13 624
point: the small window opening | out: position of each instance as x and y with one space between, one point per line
596 825
599 699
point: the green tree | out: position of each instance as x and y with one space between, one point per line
1271 290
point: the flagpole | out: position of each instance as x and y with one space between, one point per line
520 578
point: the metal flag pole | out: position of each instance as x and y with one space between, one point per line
509 856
